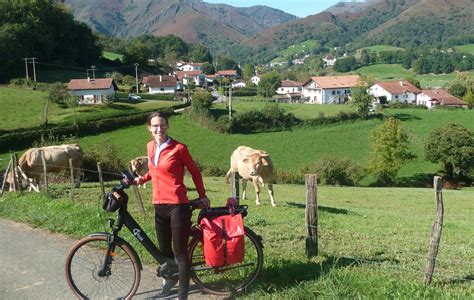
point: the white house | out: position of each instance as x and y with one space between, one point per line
436 97
195 77
161 84
388 91
92 91
289 87
238 84
255 79
329 89
329 60
190 67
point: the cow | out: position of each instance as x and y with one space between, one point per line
139 166
30 164
255 165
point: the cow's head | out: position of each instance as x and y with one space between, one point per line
255 162
137 165
23 182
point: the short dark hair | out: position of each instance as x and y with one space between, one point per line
157 114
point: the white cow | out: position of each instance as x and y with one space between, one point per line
255 165
139 166
30 164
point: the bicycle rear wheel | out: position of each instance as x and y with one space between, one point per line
86 258
227 280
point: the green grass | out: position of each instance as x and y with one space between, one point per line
380 48
293 149
301 48
465 48
112 55
391 72
373 242
32 104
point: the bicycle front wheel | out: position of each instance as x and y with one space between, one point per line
227 280
86 258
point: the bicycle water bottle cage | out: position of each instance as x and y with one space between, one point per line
168 270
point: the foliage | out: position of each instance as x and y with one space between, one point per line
110 162
224 62
469 99
44 30
414 81
335 171
248 71
361 100
345 64
58 93
453 146
268 84
270 118
201 101
389 150
137 52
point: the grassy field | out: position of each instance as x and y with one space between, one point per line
293 149
299 49
465 48
32 105
112 55
386 72
373 242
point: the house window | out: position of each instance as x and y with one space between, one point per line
405 96
162 89
396 96
334 92
338 92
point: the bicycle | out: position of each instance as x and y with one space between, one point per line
104 265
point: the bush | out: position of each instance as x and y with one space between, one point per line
335 171
271 118
108 156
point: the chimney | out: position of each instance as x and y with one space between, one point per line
160 79
88 79
401 83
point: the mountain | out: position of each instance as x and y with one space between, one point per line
193 20
401 23
349 7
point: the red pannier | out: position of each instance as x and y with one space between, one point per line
223 239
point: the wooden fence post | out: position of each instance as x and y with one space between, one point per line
15 183
435 231
5 177
102 189
73 184
45 172
311 215
137 195
235 186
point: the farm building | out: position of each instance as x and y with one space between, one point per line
92 91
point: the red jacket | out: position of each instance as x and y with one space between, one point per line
167 177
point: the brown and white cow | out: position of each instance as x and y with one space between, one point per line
30 164
255 165
139 166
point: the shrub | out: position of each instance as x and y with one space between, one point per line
272 117
335 171
108 156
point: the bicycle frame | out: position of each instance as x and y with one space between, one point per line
168 266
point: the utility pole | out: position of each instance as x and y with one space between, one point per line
230 102
93 72
34 68
26 67
136 76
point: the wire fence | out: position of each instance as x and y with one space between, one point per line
395 254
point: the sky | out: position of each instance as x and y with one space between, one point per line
299 8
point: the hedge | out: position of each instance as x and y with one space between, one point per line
21 138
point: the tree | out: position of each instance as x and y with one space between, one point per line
199 53
225 63
345 64
414 81
457 89
249 71
268 84
58 93
469 99
389 151
208 68
137 52
453 146
361 100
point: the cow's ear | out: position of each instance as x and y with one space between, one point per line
264 160
245 160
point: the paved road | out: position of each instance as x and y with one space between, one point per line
32 260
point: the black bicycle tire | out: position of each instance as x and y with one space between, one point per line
256 242
103 237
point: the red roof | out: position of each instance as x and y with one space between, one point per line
160 81
443 97
91 84
336 82
291 83
227 73
399 87
188 74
